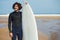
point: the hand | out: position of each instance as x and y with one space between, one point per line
11 34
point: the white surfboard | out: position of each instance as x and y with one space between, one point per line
29 23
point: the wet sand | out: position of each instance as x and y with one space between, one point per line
4 34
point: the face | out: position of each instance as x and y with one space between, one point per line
16 7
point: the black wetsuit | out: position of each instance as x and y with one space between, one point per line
15 24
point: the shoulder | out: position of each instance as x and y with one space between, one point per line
20 11
11 14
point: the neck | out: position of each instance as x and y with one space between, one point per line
17 11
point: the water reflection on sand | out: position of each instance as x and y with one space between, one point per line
44 25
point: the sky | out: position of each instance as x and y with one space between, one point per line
38 6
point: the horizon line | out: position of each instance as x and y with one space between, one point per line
39 15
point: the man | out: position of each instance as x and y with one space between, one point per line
15 22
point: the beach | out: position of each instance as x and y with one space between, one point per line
4 35
43 25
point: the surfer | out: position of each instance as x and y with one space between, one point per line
15 22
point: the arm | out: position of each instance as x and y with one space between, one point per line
9 23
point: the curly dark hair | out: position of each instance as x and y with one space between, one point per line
19 5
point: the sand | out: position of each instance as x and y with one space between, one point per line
48 17
4 35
